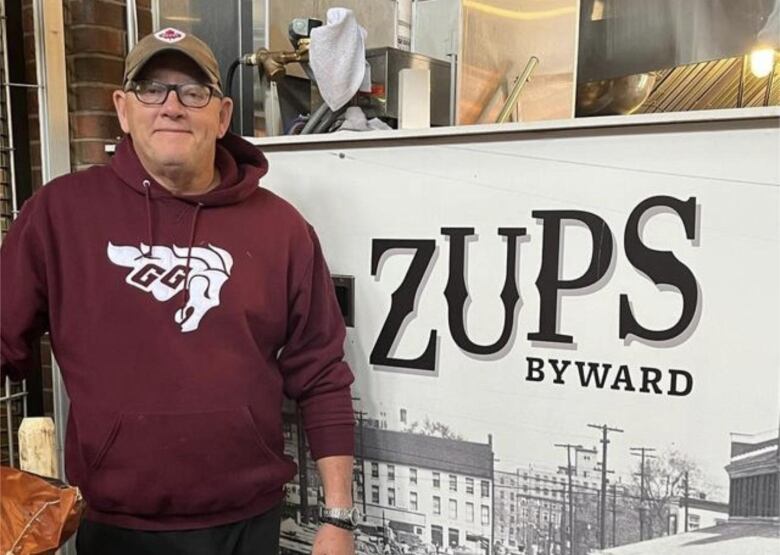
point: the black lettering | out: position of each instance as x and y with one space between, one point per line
559 370
662 267
403 301
599 379
623 377
650 381
535 366
549 283
677 389
456 292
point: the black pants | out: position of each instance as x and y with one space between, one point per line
254 536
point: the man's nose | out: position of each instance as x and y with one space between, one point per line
172 107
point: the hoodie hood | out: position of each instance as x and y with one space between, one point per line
240 164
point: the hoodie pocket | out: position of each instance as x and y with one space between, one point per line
184 464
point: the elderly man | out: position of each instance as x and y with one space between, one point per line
183 302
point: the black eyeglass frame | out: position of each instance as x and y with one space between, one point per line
132 87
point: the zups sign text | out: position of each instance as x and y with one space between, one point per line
662 267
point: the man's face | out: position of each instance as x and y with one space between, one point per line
171 136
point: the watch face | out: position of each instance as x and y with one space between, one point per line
351 515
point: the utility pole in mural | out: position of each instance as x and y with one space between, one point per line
603 499
644 453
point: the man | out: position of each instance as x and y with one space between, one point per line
183 303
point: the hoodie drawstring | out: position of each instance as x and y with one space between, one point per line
189 254
150 237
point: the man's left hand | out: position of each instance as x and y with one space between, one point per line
332 540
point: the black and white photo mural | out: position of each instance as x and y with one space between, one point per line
565 342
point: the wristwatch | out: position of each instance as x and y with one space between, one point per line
343 517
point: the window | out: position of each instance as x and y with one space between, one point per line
375 494
511 496
413 500
436 480
512 519
412 475
436 505
453 482
485 515
391 472
454 537
453 509
374 470
694 521
436 535
485 488
512 508
470 486
391 497
501 494
403 416
470 512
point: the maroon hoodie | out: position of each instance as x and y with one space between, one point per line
179 323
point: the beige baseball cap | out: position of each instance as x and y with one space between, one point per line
172 40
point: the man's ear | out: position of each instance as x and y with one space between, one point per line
120 105
225 114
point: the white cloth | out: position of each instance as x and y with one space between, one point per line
355 120
337 55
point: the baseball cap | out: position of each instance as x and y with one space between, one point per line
172 40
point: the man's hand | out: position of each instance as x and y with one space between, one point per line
332 540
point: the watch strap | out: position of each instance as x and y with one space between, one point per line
344 524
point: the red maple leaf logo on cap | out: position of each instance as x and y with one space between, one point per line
169 35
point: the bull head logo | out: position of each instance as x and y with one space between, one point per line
162 271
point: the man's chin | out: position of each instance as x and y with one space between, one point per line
174 157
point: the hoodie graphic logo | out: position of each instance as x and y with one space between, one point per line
163 273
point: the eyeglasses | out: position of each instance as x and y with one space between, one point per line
191 95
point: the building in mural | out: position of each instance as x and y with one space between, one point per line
439 489
416 491
532 502
748 525
694 513
754 472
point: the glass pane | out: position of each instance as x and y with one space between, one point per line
499 38
227 27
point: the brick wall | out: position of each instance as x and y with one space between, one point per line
95 47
